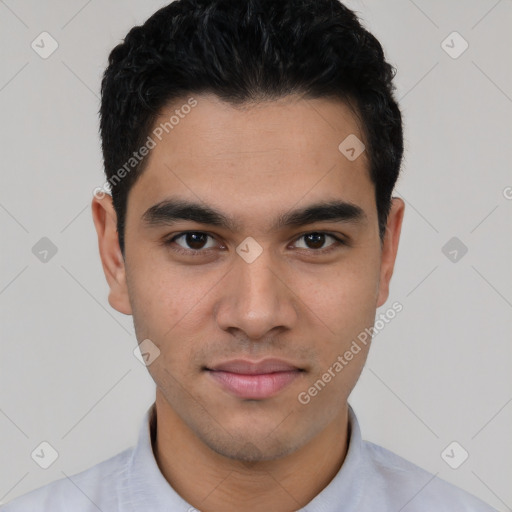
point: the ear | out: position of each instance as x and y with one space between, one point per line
105 221
390 248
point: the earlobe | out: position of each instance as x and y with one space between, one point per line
105 222
390 248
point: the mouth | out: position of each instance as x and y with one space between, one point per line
254 380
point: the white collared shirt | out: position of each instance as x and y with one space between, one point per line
371 479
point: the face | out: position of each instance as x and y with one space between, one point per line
252 262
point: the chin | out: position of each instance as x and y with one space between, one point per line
252 450
248 443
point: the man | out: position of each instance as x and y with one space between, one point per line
251 148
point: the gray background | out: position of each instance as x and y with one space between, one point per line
439 372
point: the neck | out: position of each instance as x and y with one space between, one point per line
214 483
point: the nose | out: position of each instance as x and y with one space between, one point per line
256 299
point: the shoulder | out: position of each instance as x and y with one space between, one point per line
86 491
404 484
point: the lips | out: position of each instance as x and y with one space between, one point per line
253 368
254 380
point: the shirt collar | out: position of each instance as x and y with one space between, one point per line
145 487
345 490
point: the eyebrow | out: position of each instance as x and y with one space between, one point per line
169 211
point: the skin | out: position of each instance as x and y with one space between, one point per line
219 451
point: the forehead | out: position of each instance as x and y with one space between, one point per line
257 158
216 129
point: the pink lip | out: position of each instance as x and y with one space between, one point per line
249 380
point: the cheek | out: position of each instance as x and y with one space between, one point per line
163 292
170 307
154 297
343 297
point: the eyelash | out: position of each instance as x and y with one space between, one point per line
198 252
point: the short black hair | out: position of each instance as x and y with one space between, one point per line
246 51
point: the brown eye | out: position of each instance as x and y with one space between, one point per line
195 241
191 242
316 240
